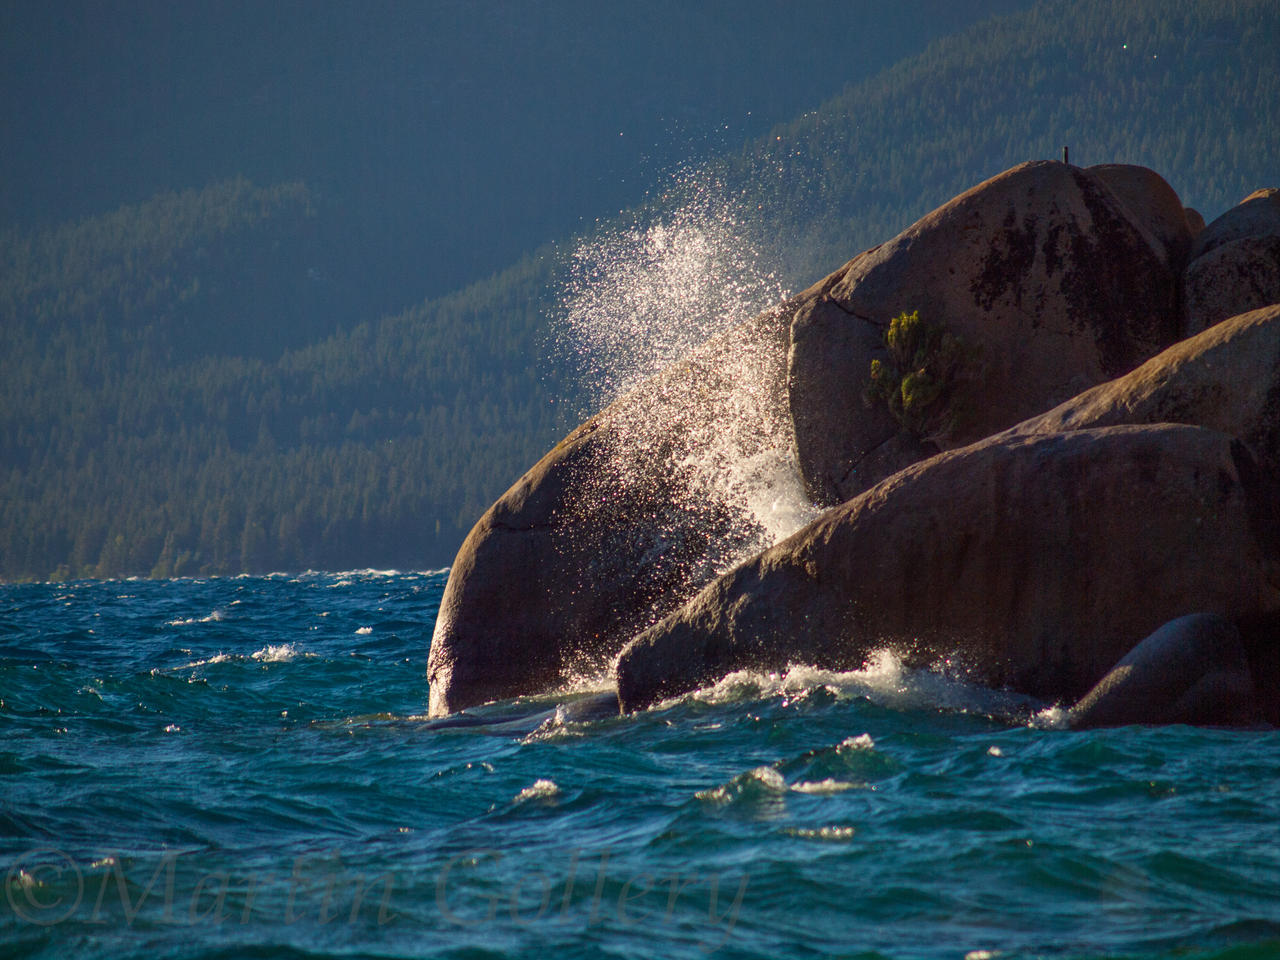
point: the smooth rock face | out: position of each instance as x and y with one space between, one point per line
1154 205
1043 269
1226 378
847 443
1232 278
626 518
1036 561
1192 670
1257 215
1194 220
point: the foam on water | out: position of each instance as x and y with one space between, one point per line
277 653
215 617
1050 718
828 785
884 680
822 833
541 789
206 661
760 792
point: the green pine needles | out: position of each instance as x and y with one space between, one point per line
918 380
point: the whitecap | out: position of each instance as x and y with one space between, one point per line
541 789
215 617
825 786
822 833
364 631
884 679
553 729
366 572
277 653
761 785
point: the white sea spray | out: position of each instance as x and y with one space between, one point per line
541 790
277 653
635 298
883 679
639 295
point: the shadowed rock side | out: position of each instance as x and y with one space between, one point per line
1155 206
1226 378
1232 278
1194 669
1257 215
625 519
1235 262
1034 561
1045 270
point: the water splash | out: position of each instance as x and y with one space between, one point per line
885 680
676 311
638 295
278 653
542 790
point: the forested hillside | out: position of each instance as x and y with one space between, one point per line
1188 89
197 384
163 414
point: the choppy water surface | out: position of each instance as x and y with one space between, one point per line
240 767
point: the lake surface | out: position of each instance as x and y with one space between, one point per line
242 768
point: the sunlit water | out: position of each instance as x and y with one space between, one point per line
240 768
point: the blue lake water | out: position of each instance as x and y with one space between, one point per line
241 768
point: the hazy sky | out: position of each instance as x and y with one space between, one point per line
493 124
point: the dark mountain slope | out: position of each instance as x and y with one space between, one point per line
181 395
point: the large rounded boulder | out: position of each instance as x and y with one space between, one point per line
1049 279
1036 562
1257 215
1044 275
1226 378
1235 263
1195 669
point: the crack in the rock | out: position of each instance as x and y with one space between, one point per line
844 480
853 313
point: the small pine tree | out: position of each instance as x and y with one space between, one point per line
917 380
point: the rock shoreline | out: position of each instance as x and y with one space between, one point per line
1094 514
